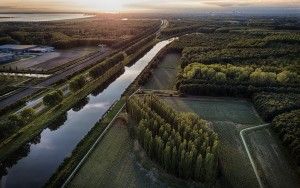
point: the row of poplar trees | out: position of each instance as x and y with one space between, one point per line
181 143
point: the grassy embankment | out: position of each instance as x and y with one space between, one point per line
29 131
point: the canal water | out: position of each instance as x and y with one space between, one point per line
34 164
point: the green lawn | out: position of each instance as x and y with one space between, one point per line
229 116
219 109
164 76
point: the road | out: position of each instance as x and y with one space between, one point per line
78 65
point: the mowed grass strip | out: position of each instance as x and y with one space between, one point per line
112 163
229 117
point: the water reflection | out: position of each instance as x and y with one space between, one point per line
102 87
80 104
23 151
58 122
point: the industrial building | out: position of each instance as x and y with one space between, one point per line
19 49
6 57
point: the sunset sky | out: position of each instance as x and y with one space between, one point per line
168 6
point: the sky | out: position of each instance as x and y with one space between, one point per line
164 6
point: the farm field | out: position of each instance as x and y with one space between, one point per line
51 60
164 76
112 164
271 159
229 117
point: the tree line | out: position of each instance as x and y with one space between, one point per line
237 55
136 47
71 33
270 105
211 89
246 75
106 65
182 143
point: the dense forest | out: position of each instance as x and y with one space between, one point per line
182 143
70 33
270 105
288 127
257 59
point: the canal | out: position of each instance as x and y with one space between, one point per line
33 164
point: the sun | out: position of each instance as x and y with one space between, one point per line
105 5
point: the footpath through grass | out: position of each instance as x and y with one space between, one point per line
229 117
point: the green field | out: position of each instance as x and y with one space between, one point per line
276 166
113 164
229 117
164 76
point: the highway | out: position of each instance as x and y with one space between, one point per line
77 66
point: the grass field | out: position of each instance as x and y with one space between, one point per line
272 160
113 164
164 76
229 117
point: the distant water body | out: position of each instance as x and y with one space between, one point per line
39 17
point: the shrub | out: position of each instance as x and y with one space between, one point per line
77 83
53 98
